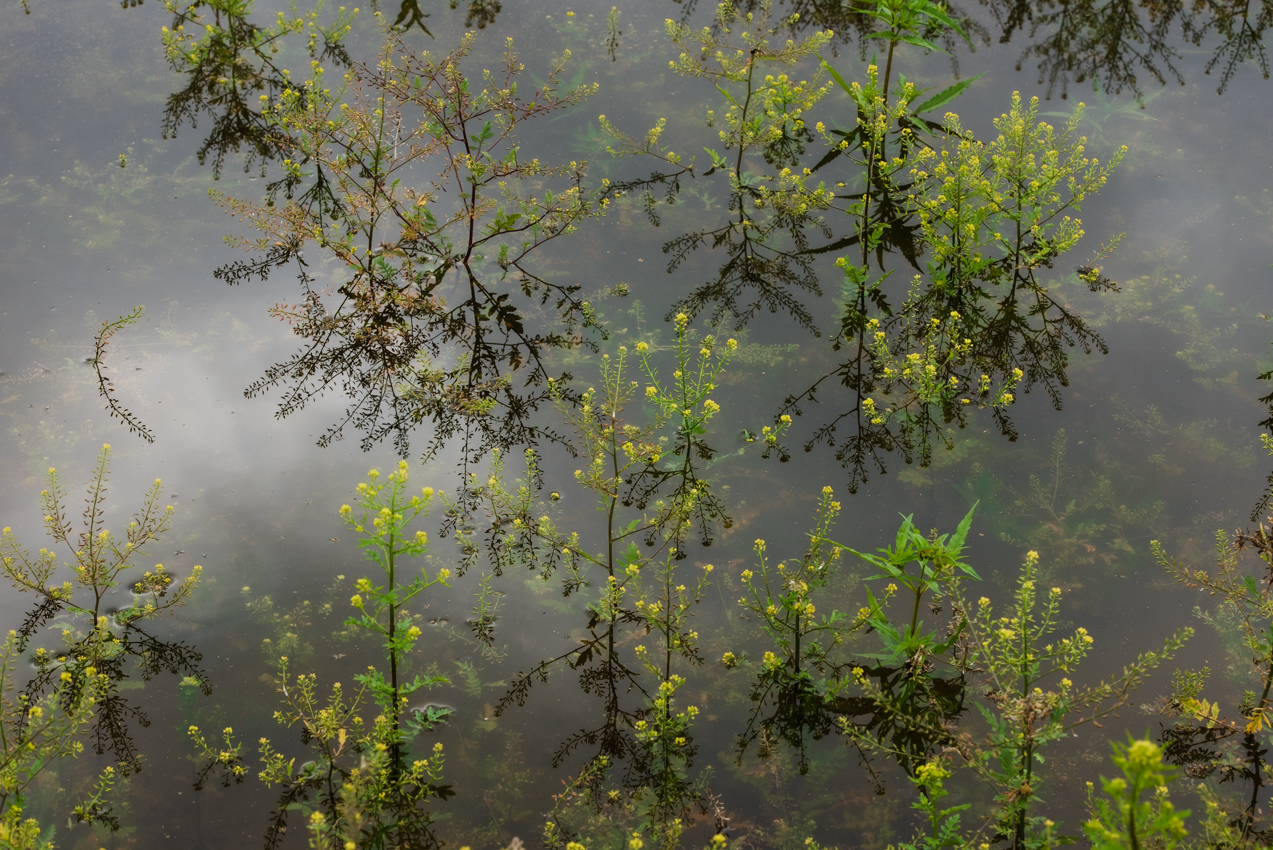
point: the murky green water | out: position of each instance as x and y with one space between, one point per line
1156 440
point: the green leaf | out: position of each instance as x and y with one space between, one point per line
921 42
904 531
835 75
1249 581
940 648
956 544
944 97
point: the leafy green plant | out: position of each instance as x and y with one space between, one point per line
386 511
991 214
909 22
665 729
38 735
96 631
1126 819
816 681
772 216
233 68
1219 737
423 277
628 464
938 562
943 823
796 683
648 479
1030 701
976 220
371 785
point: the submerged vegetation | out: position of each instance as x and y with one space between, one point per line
434 203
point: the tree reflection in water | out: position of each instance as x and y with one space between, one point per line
432 264
130 651
383 342
1123 45
975 324
767 263
795 710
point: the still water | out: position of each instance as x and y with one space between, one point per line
1158 439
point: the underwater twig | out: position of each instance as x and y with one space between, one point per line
104 385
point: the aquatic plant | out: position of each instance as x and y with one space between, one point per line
365 783
979 316
290 627
766 240
40 734
890 699
977 220
232 68
656 467
1214 736
939 564
432 264
1030 701
1103 108
909 22
793 687
943 823
104 384
96 632
1125 818
386 512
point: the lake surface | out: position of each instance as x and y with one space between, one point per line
1156 440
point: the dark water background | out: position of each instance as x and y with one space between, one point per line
1175 434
